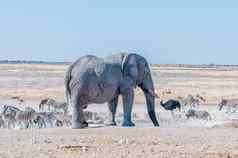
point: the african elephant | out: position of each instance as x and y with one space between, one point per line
99 80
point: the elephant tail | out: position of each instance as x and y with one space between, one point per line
67 82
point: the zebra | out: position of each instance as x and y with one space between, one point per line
59 123
9 115
25 118
191 100
51 103
230 104
65 119
44 118
93 117
199 114
201 98
60 106
48 102
40 121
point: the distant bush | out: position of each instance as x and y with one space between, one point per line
31 62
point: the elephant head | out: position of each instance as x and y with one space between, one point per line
137 68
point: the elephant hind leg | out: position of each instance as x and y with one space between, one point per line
78 120
112 107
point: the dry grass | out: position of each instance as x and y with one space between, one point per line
37 81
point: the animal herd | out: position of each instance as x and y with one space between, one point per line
190 106
13 117
52 113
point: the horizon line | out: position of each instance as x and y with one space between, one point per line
6 61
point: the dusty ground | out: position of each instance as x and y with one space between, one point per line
120 142
175 138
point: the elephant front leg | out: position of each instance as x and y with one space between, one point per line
78 120
112 107
128 99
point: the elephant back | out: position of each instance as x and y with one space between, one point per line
84 64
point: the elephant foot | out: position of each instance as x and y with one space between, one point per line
110 123
76 125
156 125
128 124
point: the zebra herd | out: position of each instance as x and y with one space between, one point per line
190 106
192 102
13 117
51 114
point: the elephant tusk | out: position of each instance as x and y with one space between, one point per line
124 61
154 94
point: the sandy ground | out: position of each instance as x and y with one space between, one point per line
177 137
119 142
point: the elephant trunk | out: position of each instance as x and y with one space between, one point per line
150 95
150 101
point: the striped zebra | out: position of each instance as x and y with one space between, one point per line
190 100
53 104
25 118
198 114
44 118
9 115
13 116
46 102
230 104
65 119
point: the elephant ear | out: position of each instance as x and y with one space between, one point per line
129 67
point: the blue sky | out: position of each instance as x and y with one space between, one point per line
172 31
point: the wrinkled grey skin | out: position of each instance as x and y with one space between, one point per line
98 80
